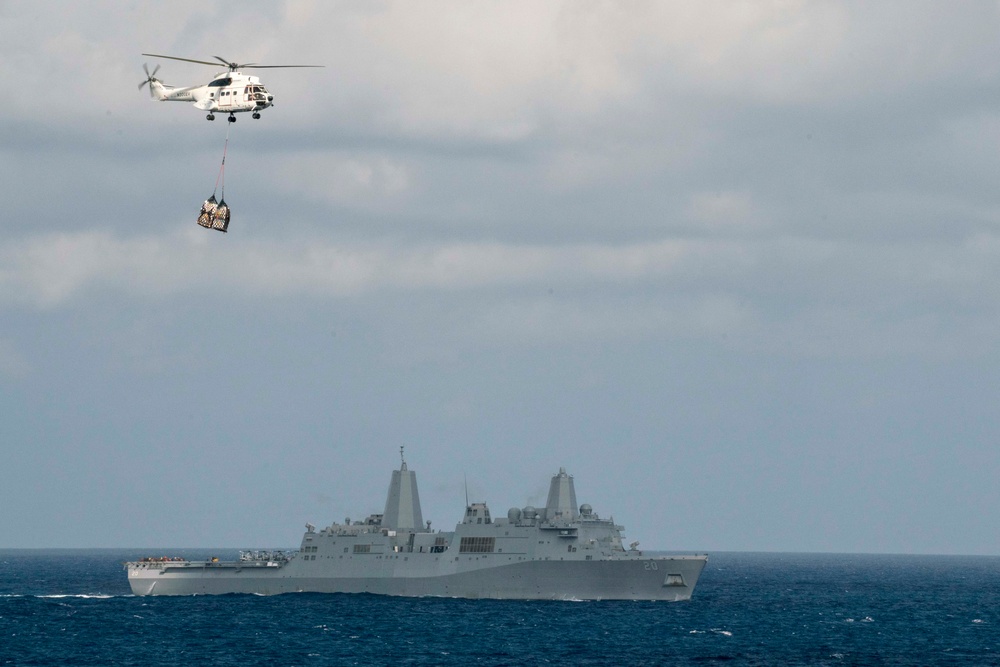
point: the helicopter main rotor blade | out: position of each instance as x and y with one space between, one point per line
235 66
225 62
187 60
231 65
274 66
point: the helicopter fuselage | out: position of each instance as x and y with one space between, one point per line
229 92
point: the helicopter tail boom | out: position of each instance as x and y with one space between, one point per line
164 93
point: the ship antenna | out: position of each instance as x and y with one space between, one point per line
401 458
466 478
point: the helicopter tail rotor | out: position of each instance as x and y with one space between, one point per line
150 78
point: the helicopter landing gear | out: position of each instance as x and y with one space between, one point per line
210 116
256 116
232 118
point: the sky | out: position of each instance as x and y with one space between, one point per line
734 265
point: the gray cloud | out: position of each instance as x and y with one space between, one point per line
735 260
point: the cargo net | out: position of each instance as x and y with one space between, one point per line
215 213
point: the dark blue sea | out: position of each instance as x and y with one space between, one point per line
75 608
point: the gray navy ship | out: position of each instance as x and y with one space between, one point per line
563 551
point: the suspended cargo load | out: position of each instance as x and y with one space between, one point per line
207 214
220 218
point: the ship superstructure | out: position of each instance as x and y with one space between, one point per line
561 551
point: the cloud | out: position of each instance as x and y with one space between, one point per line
338 178
729 210
803 296
47 270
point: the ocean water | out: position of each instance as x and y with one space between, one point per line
75 608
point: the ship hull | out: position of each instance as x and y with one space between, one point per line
669 579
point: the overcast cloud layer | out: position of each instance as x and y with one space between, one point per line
736 266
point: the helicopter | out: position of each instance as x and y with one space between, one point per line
230 91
